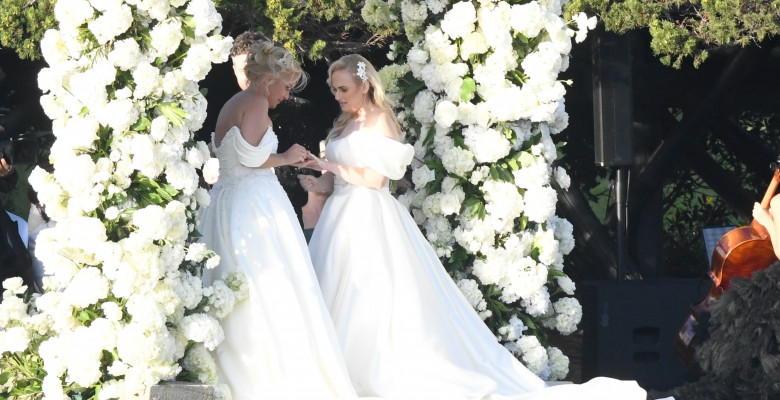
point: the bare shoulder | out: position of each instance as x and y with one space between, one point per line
246 111
383 124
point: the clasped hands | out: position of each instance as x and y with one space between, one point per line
310 183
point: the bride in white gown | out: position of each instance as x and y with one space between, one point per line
406 330
279 343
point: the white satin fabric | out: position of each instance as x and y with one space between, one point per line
406 330
279 343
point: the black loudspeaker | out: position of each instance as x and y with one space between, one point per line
629 329
612 104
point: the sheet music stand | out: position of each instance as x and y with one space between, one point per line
711 236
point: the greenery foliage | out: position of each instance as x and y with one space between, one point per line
310 28
682 29
22 24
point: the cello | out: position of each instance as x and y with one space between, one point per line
738 253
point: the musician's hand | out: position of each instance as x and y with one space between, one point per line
762 216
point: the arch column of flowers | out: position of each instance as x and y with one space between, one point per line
124 307
476 84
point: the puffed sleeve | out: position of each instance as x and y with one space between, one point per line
252 156
386 156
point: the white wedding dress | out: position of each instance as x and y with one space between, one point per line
279 343
406 330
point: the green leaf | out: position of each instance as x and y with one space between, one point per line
474 207
429 136
86 315
552 273
467 89
4 377
523 223
142 124
498 306
525 158
155 198
459 141
173 112
504 174
412 86
494 172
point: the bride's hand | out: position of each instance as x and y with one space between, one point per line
306 163
317 163
296 154
311 183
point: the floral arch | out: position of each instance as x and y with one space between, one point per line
124 307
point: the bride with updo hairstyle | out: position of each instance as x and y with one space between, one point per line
279 342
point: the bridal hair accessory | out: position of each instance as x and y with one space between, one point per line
361 71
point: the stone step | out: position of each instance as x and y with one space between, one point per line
181 391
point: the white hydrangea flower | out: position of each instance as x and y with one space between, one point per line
568 313
538 304
566 284
533 354
473 43
147 80
535 172
540 203
413 13
202 328
487 145
377 13
459 20
197 63
72 13
206 17
113 20
494 22
53 47
14 340
446 113
470 290
458 161
87 287
527 19
421 176
200 362
438 46
559 364
584 24
562 178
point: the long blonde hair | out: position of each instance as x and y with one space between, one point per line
376 92
266 59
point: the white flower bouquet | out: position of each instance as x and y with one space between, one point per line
124 306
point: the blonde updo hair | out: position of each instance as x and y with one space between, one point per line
376 92
267 60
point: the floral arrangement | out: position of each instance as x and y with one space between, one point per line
124 306
476 84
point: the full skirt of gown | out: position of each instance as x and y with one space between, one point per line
279 342
406 330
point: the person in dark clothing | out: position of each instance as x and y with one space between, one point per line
15 259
